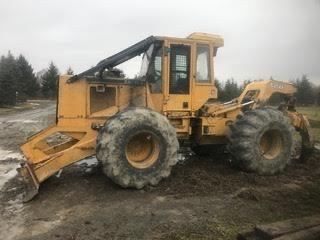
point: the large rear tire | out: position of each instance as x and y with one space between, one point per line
261 141
137 147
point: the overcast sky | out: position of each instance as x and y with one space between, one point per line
262 37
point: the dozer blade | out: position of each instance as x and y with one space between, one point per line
31 185
52 149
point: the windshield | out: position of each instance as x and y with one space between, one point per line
145 62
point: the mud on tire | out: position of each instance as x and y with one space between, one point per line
137 147
261 141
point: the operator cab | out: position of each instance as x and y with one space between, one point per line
178 72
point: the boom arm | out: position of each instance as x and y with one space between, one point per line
263 90
116 59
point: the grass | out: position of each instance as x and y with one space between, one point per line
313 115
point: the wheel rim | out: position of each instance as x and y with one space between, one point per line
142 150
271 144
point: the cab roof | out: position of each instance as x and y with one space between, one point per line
215 39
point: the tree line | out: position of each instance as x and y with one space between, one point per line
18 81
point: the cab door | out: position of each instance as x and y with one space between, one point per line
203 83
179 74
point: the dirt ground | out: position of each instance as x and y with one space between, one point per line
204 198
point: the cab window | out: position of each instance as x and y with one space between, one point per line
155 72
155 79
203 64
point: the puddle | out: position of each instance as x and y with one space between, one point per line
7 172
88 162
184 155
8 168
5 154
35 104
22 121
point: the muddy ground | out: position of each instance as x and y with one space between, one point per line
204 198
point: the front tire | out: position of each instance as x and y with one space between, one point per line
137 147
261 141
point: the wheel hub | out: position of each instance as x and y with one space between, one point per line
142 150
271 144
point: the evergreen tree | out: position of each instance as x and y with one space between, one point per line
305 92
27 85
231 90
49 81
8 83
220 89
69 71
218 85
318 95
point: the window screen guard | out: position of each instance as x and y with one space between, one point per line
179 69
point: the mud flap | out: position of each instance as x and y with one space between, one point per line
30 181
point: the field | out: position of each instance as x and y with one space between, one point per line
313 114
204 198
